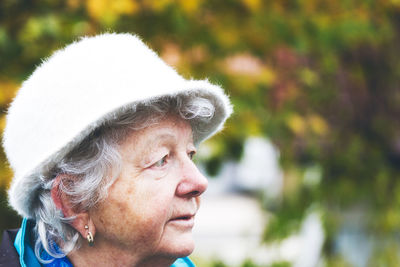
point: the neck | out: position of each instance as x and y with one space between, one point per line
100 256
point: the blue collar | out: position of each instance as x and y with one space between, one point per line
27 257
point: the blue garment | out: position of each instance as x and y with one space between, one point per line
183 262
27 257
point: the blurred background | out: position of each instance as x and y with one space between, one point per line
306 172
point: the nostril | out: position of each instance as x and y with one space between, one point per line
195 193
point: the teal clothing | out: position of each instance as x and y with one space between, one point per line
27 257
183 262
22 244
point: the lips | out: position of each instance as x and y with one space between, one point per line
183 217
184 220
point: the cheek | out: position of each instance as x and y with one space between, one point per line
134 214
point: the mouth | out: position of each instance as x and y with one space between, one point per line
183 221
183 217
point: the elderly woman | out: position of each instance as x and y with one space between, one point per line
101 138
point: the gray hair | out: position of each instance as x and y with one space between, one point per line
93 166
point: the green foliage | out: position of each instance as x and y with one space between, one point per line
318 78
338 262
218 264
281 264
250 263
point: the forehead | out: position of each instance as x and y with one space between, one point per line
171 127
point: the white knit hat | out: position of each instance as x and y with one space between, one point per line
76 90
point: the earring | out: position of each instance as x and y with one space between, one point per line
89 237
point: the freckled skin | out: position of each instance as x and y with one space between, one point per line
135 225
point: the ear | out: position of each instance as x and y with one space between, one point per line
63 203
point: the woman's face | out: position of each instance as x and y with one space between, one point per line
150 208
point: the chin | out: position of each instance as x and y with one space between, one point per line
180 247
186 250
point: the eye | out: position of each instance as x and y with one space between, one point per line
191 154
161 162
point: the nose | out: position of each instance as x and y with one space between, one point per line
193 182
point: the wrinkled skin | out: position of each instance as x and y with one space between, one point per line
148 216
